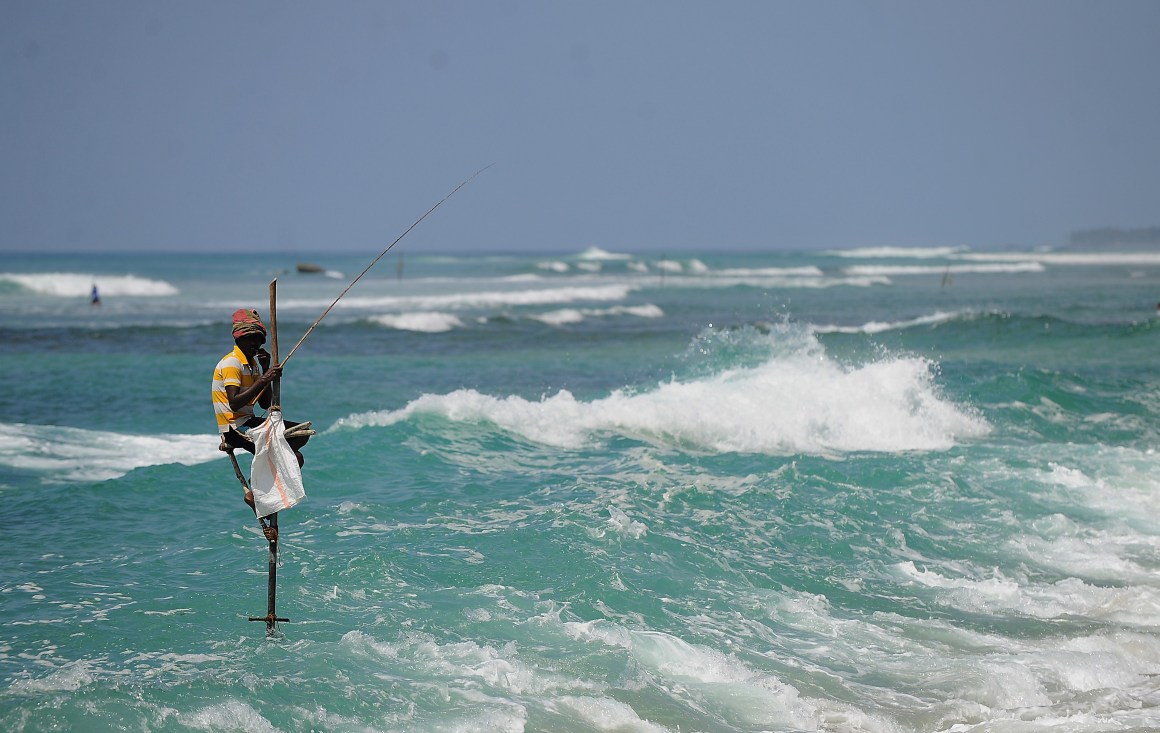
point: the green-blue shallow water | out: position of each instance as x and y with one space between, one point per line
871 490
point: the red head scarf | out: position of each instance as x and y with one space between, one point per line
247 321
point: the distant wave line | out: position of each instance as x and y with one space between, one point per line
812 283
1068 258
422 322
455 301
440 322
872 327
900 252
80 285
577 315
992 268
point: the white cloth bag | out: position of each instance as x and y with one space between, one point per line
276 477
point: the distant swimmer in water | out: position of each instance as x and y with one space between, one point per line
95 296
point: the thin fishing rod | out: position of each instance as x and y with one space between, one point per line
381 254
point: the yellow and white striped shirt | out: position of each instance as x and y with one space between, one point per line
233 370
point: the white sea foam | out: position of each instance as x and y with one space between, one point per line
427 322
691 266
561 317
79 285
741 694
595 253
1095 555
231 715
69 678
554 266
497 669
802 402
76 454
170 612
603 714
714 682
1067 598
625 526
1120 483
926 665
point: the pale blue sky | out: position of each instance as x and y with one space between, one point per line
658 125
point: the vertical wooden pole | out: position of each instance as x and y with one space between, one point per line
272 584
275 403
271 617
275 386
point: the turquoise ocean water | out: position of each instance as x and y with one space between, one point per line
868 490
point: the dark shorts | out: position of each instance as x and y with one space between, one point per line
236 440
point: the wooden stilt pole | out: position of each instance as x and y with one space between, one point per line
271 618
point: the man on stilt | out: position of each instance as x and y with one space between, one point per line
241 379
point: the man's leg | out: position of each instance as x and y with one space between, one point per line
296 442
237 440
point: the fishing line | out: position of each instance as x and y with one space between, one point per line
381 254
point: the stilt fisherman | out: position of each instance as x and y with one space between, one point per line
242 378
